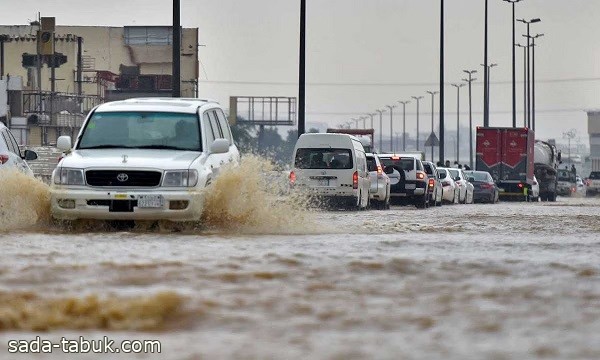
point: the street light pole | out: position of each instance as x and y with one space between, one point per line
371 115
458 86
514 86
470 80
528 70
432 93
486 120
380 129
404 123
487 101
391 107
442 131
524 83
176 51
533 79
302 71
417 98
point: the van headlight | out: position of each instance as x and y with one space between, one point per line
68 176
180 178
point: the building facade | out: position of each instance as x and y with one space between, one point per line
92 64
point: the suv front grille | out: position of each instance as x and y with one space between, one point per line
123 178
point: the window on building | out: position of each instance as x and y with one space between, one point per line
148 35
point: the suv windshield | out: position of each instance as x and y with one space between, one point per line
406 164
428 168
313 158
566 175
142 130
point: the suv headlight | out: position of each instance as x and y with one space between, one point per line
180 178
67 176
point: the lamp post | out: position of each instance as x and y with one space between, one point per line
380 129
442 132
524 83
458 86
487 91
417 98
356 120
532 21
371 115
514 86
432 93
470 80
404 123
486 120
302 71
176 51
391 107
533 78
364 121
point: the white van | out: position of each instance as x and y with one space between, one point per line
332 167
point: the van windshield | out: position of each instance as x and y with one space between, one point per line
315 158
141 130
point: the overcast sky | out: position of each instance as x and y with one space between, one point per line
365 54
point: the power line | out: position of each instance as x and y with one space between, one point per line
546 111
395 84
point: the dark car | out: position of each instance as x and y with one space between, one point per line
485 189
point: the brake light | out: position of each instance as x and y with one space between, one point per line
355 180
457 182
431 182
395 157
3 159
487 186
573 189
420 175
292 177
520 186
445 183
379 170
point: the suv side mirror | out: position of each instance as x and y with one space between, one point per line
63 143
30 155
388 170
471 180
457 178
440 176
219 146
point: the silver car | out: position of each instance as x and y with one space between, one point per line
10 154
379 193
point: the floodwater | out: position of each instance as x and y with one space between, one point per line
262 278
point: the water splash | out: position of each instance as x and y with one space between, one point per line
24 201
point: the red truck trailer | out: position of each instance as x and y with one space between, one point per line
508 155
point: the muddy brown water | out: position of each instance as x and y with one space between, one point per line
265 279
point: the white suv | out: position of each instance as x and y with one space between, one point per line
142 159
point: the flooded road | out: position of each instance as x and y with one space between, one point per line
506 281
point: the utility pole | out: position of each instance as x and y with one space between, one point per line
404 123
470 80
417 98
302 71
391 107
458 86
524 83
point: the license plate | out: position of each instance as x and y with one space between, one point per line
410 186
324 182
150 201
500 190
